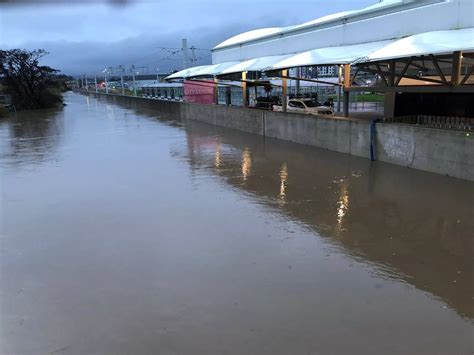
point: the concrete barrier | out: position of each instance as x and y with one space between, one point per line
433 150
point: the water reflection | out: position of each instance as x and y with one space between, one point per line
283 182
343 204
218 156
246 164
33 136
146 231
383 214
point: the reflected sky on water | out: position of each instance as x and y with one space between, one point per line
127 233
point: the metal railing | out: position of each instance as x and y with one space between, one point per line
451 122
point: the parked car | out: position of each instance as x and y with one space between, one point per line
307 106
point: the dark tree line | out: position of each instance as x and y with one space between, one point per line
31 84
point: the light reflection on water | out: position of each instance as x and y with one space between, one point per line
283 182
246 163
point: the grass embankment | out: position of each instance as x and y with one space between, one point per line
370 98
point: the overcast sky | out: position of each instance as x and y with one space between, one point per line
84 37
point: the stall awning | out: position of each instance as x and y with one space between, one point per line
435 42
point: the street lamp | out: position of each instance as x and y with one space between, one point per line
106 85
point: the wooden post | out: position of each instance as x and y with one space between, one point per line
347 85
284 86
244 90
456 70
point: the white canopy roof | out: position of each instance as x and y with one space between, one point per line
185 73
256 64
264 32
435 42
329 55
203 70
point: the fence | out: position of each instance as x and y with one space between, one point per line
455 123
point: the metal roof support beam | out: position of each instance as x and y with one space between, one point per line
438 69
309 80
381 73
467 76
408 76
456 71
354 75
404 71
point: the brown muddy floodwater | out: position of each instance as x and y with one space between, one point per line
126 233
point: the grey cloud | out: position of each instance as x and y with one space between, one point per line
88 36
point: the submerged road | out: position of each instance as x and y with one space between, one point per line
127 233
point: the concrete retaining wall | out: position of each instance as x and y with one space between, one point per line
438 151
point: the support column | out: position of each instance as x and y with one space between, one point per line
216 91
244 90
298 86
339 88
389 105
284 87
456 71
347 85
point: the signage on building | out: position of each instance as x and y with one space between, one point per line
201 92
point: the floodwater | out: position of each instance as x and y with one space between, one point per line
126 233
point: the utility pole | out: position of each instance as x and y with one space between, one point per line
193 55
95 82
121 78
106 85
132 69
184 45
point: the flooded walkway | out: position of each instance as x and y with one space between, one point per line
126 233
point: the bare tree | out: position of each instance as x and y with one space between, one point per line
31 85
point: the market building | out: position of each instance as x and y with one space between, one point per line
419 52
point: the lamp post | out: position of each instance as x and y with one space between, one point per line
106 85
